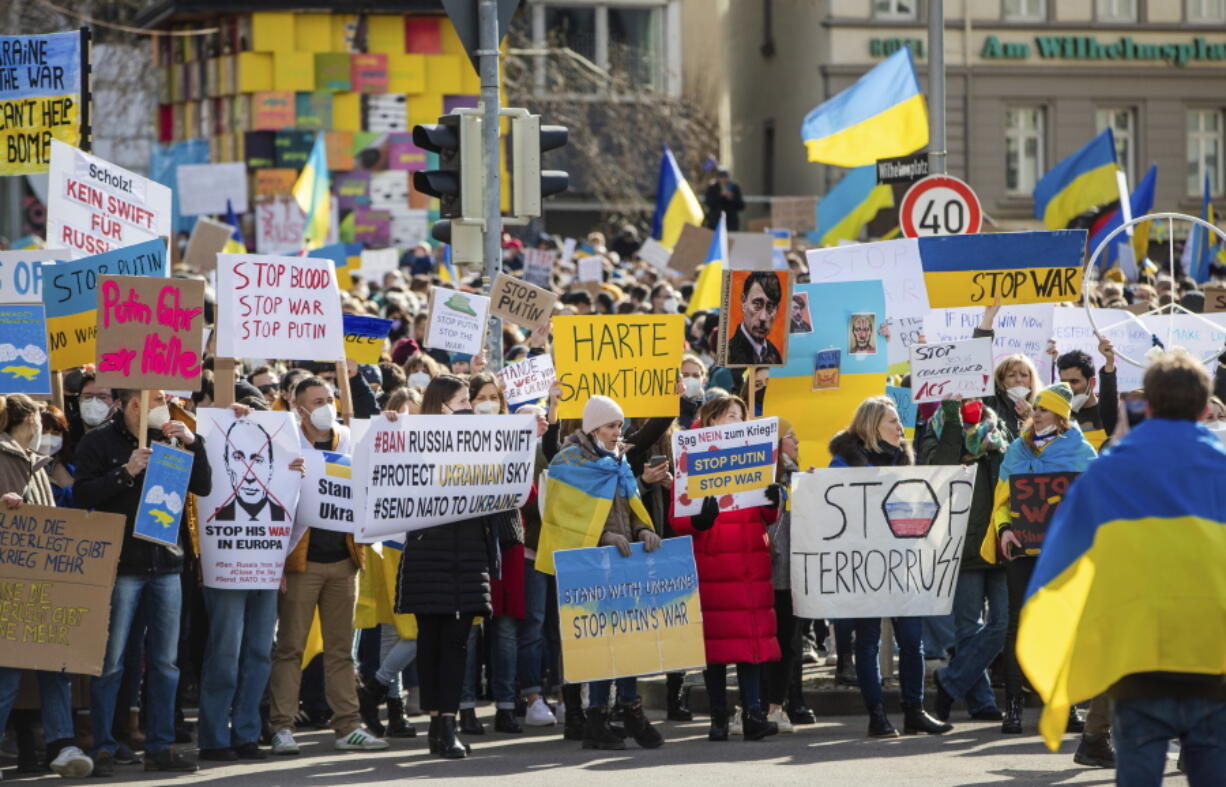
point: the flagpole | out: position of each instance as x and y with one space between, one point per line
487 56
936 86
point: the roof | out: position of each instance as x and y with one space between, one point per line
165 12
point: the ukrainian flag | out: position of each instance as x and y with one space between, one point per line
1202 240
882 115
1021 267
235 244
1142 201
709 285
1083 181
312 195
852 203
1130 576
676 204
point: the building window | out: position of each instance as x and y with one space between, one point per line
1204 150
1207 11
894 9
1123 123
1023 149
629 42
634 44
1025 10
1116 10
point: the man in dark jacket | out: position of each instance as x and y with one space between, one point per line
110 475
723 196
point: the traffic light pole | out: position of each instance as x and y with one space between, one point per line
487 55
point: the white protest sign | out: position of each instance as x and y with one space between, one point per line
457 321
376 262
568 250
278 307
655 254
326 502
734 463
1019 329
875 542
211 188
528 380
963 368
95 206
896 263
591 269
279 225
247 521
426 470
21 273
538 267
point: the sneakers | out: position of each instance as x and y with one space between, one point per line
735 727
72 763
539 715
283 743
169 760
360 740
781 720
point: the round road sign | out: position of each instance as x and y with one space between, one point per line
939 205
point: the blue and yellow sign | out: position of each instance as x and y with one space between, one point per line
40 99
23 349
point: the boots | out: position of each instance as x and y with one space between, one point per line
845 671
505 721
1075 722
916 720
879 724
755 725
678 698
797 711
719 726
639 728
596 732
1095 751
432 735
397 725
371 694
575 721
1012 725
469 723
136 738
450 747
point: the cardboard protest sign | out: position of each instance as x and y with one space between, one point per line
1215 299
280 225
94 206
1033 500
749 251
207 240
1017 267
40 98
269 306
24 359
427 470
963 368
326 501
364 337
457 321
211 188
627 616
150 332
633 359
520 302
878 542
734 463
527 380
1019 329
247 521
70 292
21 273
798 214
55 587
538 267
691 249
163 495
755 317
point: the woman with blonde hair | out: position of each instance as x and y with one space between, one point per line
875 438
1017 380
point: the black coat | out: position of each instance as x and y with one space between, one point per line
848 450
446 569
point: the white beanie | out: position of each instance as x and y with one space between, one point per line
599 411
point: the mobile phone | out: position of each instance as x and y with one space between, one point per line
658 459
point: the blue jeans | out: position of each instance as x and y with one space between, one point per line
55 695
939 636
909 633
538 590
598 692
748 680
237 662
978 642
1142 728
503 631
164 602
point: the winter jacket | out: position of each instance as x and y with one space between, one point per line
446 569
734 584
847 450
780 535
24 472
104 485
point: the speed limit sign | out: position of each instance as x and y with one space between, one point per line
939 205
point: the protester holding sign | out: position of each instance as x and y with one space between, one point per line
110 473
875 438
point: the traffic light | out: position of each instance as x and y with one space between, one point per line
465 240
529 183
460 181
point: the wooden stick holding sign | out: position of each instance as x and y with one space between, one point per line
142 435
751 383
57 389
342 381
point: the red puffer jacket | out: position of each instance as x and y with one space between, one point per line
734 584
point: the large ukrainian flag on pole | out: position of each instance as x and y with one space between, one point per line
1132 574
852 203
312 195
708 287
676 204
882 115
1083 181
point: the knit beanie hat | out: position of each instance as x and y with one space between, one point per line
1056 398
599 411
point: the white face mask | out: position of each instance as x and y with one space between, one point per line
50 444
322 418
94 411
1045 431
670 305
1018 393
419 379
1218 428
693 387
1077 401
488 407
159 416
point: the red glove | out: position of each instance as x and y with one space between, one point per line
972 412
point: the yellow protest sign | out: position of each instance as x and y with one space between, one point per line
40 99
633 359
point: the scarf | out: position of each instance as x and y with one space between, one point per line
978 440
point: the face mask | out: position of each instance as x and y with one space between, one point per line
1078 400
488 407
1045 431
670 305
159 416
419 379
94 411
1218 428
322 418
693 387
50 444
36 439
1018 392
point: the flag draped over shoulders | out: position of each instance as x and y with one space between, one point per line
1132 576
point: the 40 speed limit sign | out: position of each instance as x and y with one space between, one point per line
939 205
